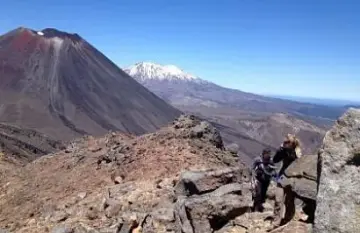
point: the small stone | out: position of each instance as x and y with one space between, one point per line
113 210
95 149
92 213
30 222
125 228
233 148
118 180
59 216
82 195
62 229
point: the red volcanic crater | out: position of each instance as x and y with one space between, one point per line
59 84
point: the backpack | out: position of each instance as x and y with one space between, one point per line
263 172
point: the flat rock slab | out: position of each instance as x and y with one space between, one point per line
200 182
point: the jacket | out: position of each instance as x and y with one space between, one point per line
261 171
287 156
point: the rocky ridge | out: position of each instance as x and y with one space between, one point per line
70 186
179 179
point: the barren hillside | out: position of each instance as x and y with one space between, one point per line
178 179
57 83
44 187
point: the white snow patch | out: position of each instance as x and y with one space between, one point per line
57 42
40 33
148 70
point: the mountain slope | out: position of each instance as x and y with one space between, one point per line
197 92
54 180
24 145
253 132
251 121
61 85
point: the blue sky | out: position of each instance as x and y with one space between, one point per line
300 48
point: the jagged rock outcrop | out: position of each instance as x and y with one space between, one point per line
338 198
199 129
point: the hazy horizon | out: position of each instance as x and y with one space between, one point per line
313 100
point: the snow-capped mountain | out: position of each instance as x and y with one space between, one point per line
183 89
143 71
241 117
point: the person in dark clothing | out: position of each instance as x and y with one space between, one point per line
262 172
288 152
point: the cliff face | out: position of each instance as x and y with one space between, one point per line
338 199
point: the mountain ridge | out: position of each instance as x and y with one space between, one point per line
206 93
250 121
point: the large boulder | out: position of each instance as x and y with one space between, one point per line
301 176
299 185
338 198
208 200
212 211
200 182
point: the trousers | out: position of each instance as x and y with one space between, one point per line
259 188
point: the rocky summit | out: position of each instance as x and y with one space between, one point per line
180 179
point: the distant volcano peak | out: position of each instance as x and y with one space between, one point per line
24 40
52 32
71 86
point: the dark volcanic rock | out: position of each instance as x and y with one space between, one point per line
200 182
61 85
338 199
212 211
